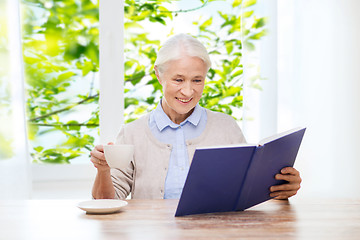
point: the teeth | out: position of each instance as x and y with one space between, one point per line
184 100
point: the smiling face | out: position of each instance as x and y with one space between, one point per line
183 83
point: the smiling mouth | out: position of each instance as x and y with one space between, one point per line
184 100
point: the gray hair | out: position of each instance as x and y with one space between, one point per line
177 46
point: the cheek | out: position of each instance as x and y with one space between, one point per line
170 88
199 89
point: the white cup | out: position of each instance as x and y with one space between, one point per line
119 156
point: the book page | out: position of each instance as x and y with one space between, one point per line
279 135
228 146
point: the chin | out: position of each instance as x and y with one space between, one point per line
186 110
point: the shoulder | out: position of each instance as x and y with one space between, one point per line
133 129
140 122
138 126
219 117
224 125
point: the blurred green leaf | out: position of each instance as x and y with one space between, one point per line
248 14
248 3
236 3
206 24
259 23
65 76
229 47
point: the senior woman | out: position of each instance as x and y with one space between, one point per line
166 138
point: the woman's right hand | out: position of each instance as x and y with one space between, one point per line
98 158
103 187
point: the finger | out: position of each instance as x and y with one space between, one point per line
99 148
95 160
285 187
289 178
110 143
283 194
98 162
97 154
290 170
103 162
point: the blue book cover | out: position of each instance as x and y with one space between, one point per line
237 177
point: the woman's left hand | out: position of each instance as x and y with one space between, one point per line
284 191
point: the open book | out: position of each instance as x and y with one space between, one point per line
237 177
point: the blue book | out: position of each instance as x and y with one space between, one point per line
237 177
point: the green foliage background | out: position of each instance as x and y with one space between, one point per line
61 51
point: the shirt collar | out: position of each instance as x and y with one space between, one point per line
162 120
194 118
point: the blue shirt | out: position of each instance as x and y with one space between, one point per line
169 132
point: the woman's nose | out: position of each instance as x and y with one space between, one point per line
187 89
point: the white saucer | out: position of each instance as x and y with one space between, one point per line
102 205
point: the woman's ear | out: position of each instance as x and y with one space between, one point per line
157 74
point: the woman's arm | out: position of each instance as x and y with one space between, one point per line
103 187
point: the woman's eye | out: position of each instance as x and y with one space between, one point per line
197 80
178 80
